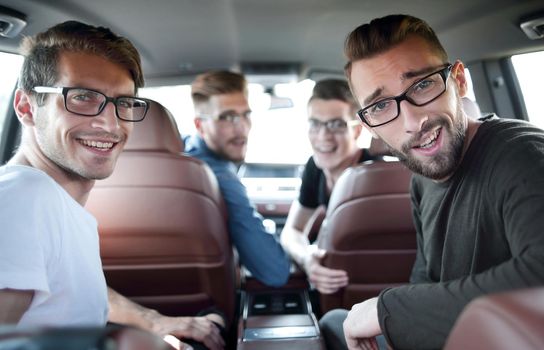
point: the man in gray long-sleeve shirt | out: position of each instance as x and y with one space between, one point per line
478 192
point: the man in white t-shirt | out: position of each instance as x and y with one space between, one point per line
50 269
72 136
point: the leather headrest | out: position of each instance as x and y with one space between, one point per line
158 132
370 180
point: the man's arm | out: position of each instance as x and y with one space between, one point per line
13 304
292 237
430 309
419 270
259 251
124 311
361 326
296 243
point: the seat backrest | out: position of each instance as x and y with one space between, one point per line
162 223
509 320
312 227
368 231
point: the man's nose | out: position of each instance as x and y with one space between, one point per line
242 123
107 119
324 131
413 117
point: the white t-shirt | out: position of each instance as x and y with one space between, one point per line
49 244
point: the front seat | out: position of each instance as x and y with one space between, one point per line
162 223
508 320
368 231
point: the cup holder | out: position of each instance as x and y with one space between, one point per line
276 304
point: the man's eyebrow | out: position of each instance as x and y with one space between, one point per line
373 95
227 111
417 73
234 111
335 118
404 76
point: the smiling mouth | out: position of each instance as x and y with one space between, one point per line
98 145
328 149
239 141
430 140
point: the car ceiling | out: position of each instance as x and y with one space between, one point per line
180 38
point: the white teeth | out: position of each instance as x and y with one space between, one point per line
325 149
429 140
97 144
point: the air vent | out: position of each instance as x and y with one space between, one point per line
533 26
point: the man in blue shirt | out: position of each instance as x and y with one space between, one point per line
222 120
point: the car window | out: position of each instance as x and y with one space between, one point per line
278 135
10 64
530 73
279 129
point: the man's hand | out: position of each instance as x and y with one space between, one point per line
325 280
201 329
362 325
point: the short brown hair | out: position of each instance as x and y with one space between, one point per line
383 33
214 83
42 52
334 89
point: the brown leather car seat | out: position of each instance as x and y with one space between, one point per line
509 320
368 231
162 222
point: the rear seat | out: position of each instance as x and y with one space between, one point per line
368 231
162 224
504 321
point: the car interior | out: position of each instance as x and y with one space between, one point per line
162 220
377 253
173 263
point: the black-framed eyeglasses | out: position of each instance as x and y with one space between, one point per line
229 117
420 93
90 103
335 126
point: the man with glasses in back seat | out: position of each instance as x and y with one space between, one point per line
223 121
77 105
477 193
333 130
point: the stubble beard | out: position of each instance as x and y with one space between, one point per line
235 158
61 157
444 164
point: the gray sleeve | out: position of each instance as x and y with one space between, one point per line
421 315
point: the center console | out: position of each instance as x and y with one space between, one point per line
274 319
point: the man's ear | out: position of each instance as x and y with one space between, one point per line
458 73
199 127
24 108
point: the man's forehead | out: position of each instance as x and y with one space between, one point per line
328 108
404 60
82 69
230 101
